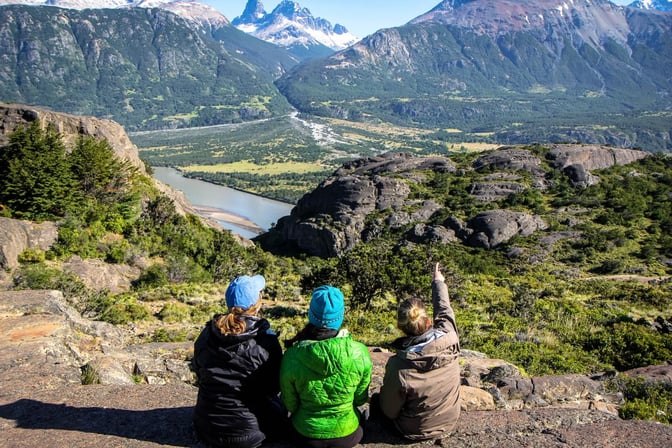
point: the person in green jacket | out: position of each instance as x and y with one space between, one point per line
324 375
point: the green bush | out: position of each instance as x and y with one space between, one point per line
175 313
118 309
117 252
175 335
153 277
90 375
42 276
32 255
646 400
628 345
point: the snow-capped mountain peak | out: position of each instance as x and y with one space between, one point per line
660 5
290 25
254 11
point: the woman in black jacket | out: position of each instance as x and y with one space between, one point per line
237 361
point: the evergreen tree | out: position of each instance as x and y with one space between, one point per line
37 182
101 175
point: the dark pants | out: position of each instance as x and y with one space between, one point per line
376 414
272 420
249 440
341 442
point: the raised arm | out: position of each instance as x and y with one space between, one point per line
444 316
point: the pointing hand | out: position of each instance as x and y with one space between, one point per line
437 273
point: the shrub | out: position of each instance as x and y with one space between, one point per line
175 312
32 256
119 309
627 345
117 252
177 335
153 277
646 400
90 375
42 276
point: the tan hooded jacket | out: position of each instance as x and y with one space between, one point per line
421 388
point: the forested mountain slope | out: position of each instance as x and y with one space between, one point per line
144 68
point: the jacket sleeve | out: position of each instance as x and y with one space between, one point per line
392 394
362 391
444 316
200 346
288 392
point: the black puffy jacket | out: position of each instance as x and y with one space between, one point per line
238 377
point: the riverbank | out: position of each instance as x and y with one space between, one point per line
245 214
228 217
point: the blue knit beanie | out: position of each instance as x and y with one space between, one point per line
244 291
326 308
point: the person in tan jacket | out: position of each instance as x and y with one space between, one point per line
421 387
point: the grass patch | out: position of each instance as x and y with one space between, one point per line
246 166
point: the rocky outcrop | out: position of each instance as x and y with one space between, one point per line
653 374
503 164
577 161
100 276
368 196
494 191
395 162
70 127
487 230
492 228
510 159
44 339
17 236
330 220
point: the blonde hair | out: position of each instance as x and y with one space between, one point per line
233 323
412 317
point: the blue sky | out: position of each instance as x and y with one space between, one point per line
360 17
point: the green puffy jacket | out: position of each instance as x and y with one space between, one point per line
321 383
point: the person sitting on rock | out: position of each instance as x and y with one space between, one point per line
237 361
325 375
421 386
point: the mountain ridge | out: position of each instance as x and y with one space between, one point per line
292 26
170 73
489 67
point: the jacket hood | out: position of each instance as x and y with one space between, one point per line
226 346
431 350
324 357
254 325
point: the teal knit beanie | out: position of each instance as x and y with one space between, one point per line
326 308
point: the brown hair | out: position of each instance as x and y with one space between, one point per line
233 323
412 317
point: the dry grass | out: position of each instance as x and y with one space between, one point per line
253 168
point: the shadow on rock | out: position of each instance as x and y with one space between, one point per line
167 426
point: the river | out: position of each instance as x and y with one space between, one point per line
221 201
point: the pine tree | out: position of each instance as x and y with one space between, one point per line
37 182
101 175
